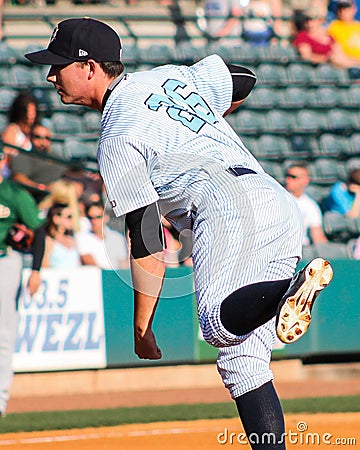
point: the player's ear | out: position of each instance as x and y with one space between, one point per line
91 67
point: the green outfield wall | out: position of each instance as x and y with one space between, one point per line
334 331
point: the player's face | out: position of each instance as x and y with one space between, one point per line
70 82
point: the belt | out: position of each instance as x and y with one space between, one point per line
238 171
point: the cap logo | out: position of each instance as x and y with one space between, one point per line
82 52
54 33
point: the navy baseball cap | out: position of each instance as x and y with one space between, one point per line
79 40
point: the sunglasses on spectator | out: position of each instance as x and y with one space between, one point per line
38 136
290 175
95 217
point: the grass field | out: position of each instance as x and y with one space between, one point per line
61 420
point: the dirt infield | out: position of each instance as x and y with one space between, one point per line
318 431
168 385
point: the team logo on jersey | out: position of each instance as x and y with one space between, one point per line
4 212
188 108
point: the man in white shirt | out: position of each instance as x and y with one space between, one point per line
297 179
102 246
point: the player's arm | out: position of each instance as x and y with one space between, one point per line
147 271
29 214
243 80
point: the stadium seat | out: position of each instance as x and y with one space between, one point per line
318 192
7 95
326 97
343 121
42 97
282 53
91 120
353 96
263 98
332 250
249 122
272 75
130 55
295 97
301 74
246 54
79 149
273 147
24 77
332 146
155 54
328 74
310 122
327 171
352 163
302 146
279 122
340 228
66 123
188 53
8 54
5 76
57 149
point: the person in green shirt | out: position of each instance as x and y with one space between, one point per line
16 206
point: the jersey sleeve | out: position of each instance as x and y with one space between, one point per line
213 81
27 211
124 169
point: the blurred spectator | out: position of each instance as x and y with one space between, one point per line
344 197
89 189
64 192
15 205
22 116
33 172
331 10
296 181
346 30
222 18
60 246
102 246
315 44
261 21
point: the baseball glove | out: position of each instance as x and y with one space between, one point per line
20 238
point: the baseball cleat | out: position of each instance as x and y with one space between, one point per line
294 311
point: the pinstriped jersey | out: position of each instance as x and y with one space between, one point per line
163 136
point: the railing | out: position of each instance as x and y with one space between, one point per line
136 29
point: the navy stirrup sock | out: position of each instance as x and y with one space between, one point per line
262 418
251 306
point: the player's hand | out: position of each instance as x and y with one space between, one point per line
146 347
34 282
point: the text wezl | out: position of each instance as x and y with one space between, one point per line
67 332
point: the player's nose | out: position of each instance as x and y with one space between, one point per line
50 77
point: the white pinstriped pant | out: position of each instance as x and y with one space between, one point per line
10 276
248 229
